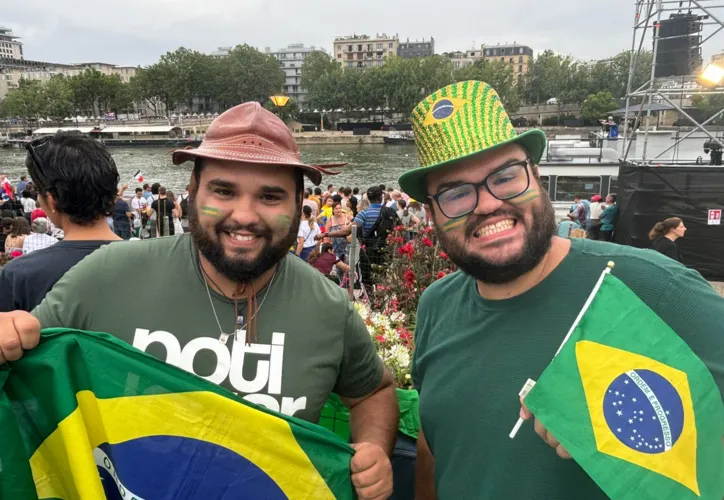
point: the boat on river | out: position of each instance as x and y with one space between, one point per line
397 138
131 136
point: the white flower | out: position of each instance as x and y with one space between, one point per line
400 355
397 317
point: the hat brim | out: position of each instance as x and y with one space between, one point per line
313 172
414 182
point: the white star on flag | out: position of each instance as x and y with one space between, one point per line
633 399
619 413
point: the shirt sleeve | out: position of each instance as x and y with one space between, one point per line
693 309
360 219
361 370
6 297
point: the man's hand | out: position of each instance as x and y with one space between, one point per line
19 331
371 472
526 414
319 237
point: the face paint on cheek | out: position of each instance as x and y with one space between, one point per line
282 222
525 198
453 224
211 212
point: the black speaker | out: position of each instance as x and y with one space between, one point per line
678 52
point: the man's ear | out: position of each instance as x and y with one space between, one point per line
48 202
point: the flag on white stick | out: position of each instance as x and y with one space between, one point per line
138 177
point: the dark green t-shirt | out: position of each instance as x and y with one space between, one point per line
151 294
473 356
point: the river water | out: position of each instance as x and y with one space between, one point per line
368 164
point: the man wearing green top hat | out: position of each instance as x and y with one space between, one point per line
483 331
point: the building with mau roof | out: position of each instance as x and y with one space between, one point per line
10 45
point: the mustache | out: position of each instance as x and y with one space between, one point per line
475 221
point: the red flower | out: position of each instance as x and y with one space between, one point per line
409 277
441 275
399 228
427 230
404 334
406 249
380 338
444 255
427 242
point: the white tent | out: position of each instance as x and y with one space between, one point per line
174 116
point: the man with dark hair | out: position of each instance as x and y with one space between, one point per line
355 193
483 331
330 190
307 202
23 183
6 224
581 211
77 184
139 206
244 214
147 192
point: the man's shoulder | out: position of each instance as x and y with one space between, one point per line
313 280
445 290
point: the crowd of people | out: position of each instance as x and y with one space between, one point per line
479 334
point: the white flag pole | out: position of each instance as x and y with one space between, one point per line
528 386
134 177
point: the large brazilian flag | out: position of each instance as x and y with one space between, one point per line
86 416
633 404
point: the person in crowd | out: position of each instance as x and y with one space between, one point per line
317 196
238 278
7 214
407 218
38 212
6 226
330 190
519 289
28 204
139 206
364 204
23 183
395 197
327 209
339 219
162 209
352 206
183 204
664 235
177 212
38 239
309 202
33 193
71 167
346 195
580 212
325 260
355 193
122 218
594 224
608 218
152 214
308 230
373 226
566 227
147 194
19 231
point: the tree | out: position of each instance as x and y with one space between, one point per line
151 85
26 101
58 98
315 66
88 88
598 105
250 76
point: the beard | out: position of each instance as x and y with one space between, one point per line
238 269
537 243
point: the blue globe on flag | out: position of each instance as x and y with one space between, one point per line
443 109
644 411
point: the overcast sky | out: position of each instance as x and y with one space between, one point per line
137 32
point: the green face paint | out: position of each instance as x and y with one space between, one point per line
525 198
211 212
453 224
283 222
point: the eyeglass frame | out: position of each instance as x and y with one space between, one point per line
484 183
34 154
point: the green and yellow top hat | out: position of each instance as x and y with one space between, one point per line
458 121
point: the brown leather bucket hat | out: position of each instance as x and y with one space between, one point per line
249 133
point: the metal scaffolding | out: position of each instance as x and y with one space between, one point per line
647 25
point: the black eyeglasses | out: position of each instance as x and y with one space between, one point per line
33 147
505 183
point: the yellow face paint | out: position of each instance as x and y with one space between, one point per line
453 224
525 198
211 212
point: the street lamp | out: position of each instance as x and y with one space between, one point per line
711 77
279 100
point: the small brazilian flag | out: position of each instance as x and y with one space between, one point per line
86 416
633 405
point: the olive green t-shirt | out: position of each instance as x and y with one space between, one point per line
151 294
473 356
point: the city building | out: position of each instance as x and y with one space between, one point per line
718 59
518 56
14 70
416 49
291 60
221 52
10 46
363 51
461 59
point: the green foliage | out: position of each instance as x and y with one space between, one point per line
598 105
497 74
709 105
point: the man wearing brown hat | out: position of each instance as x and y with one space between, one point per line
229 304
